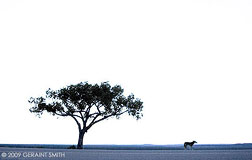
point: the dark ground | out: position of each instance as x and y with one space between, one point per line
69 154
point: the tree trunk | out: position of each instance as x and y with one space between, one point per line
80 140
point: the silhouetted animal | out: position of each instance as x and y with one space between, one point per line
189 144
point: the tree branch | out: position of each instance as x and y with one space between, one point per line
92 122
98 108
67 114
83 121
87 113
105 117
79 126
63 115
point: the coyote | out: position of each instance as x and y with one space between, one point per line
189 144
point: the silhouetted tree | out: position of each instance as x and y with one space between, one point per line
87 104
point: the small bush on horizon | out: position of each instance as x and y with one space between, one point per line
71 147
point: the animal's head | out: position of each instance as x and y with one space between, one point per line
194 141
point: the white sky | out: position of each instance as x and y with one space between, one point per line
188 60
